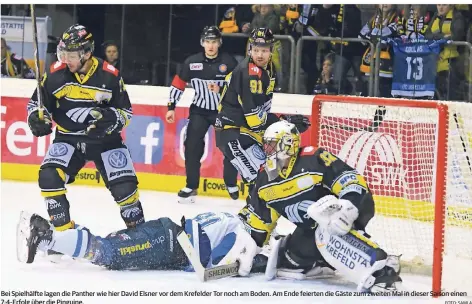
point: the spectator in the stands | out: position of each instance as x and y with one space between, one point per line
112 54
347 23
14 65
381 26
326 83
315 20
289 14
235 19
413 21
265 15
448 23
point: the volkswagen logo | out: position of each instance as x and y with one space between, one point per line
258 153
58 149
117 159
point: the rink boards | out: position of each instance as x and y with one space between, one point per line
158 152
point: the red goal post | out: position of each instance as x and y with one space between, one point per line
401 146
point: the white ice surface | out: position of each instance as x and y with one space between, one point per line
95 208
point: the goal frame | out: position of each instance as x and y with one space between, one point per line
440 161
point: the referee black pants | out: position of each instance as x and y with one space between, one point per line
198 124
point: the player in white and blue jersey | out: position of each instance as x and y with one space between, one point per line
218 238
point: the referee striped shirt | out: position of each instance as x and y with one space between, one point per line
200 71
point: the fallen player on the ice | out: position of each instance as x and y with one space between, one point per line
152 245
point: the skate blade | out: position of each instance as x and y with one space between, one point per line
23 233
186 200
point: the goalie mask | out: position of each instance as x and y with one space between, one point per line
281 142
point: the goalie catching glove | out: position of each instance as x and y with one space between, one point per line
301 122
105 121
335 215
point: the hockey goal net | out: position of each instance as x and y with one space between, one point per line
417 159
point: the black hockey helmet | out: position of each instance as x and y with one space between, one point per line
261 37
211 33
76 39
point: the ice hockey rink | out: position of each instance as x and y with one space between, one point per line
95 208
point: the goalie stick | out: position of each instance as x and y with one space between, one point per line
205 274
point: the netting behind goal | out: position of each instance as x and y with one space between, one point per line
417 159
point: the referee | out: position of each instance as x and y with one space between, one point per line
206 72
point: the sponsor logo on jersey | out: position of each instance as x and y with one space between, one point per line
254 70
223 68
196 66
135 248
347 179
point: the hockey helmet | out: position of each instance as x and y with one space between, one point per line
75 39
261 37
211 33
281 141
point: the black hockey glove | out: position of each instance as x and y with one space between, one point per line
40 127
301 122
105 121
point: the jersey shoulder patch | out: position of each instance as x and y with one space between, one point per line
254 70
56 66
110 68
309 150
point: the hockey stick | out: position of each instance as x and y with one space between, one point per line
377 121
460 126
203 274
36 63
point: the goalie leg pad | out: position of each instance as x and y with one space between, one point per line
355 256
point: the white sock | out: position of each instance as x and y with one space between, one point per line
71 242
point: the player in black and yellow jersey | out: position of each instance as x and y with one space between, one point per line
244 111
86 98
330 204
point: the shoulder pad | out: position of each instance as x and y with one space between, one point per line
309 150
56 66
110 69
254 70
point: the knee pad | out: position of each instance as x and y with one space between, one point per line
52 181
126 195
